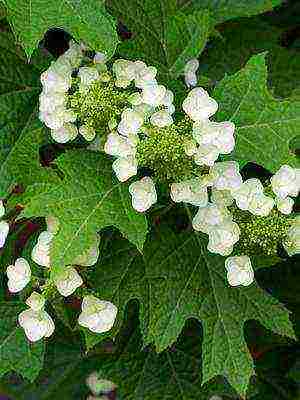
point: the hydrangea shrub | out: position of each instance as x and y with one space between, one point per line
140 201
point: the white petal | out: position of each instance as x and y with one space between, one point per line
125 168
4 229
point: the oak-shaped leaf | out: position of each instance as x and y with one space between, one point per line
88 199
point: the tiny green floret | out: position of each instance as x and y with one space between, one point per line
261 235
163 152
102 103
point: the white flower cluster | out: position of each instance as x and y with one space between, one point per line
190 70
210 139
57 81
154 104
97 315
4 226
35 321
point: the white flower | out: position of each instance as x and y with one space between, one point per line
131 122
36 301
199 105
52 224
222 238
227 175
239 271
143 194
261 205
36 324
68 281
100 58
125 168
18 275
124 71
89 257
190 70
87 132
286 182
222 197
144 75
292 241
190 79
54 82
64 134
41 252
57 119
161 118
154 94
191 66
98 385
210 216
167 102
50 102
285 206
206 155
218 134
88 75
97 315
244 194
2 209
4 229
117 145
192 192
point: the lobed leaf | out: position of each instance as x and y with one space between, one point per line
179 279
85 20
265 126
88 199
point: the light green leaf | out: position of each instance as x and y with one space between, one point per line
86 20
20 133
88 199
223 10
183 280
265 126
162 35
16 353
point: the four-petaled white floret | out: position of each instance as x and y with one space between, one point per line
97 315
18 275
239 271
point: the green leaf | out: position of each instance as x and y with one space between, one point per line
88 199
265 126
162 35
63 377
183 280
223 10
20 138
141 373
85 20
244 38
16 353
